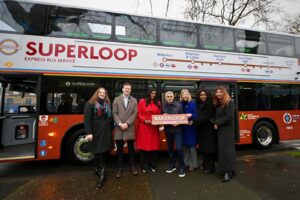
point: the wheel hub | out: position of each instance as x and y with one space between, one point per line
81 149
264 135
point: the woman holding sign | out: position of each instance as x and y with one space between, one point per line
148 139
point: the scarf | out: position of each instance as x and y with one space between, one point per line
102 109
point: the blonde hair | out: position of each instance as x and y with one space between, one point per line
185 91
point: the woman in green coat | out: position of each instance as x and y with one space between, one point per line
97 122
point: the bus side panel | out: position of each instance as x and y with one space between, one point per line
287 123
51 129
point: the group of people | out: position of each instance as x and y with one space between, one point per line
210 126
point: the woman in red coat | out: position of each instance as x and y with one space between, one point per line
148 138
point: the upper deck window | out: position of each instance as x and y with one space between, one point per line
250 42
135 29
216 38
173 33
297 42
80 23
280 45
26 18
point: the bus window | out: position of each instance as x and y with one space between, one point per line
80 23
211 86
139 87
216 38
280 45
135 29
284 97
69 95
297 44
20 98
176 87
27 18
2 89
253 97
173 33
250 42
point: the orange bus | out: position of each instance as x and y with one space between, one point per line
53 54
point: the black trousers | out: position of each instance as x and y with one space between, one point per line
148 159
209 160
120 153
100 161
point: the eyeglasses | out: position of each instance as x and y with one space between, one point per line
169 96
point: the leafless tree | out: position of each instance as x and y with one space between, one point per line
168 2
291 24
167 9
199 9
230 12
151 7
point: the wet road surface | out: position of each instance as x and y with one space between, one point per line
261 174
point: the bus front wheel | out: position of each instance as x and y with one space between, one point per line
77 148
263 135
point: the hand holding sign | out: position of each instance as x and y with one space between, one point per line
171 119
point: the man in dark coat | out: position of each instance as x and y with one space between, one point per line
174 132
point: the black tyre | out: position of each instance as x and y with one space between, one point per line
263 135
77 148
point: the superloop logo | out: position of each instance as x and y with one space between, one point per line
9 47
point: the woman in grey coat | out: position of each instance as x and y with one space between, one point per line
97 122
224 124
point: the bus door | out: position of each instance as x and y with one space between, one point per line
175 86
18 117
232 90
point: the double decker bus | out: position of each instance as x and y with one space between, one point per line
53 57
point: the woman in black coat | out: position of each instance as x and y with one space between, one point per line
224 124
97 122
207 137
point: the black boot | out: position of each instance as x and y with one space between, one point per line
102 177
96 172
227 177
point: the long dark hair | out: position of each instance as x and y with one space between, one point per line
94 98
208 100
225 99
148 99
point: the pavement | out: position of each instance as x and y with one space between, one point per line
264 175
